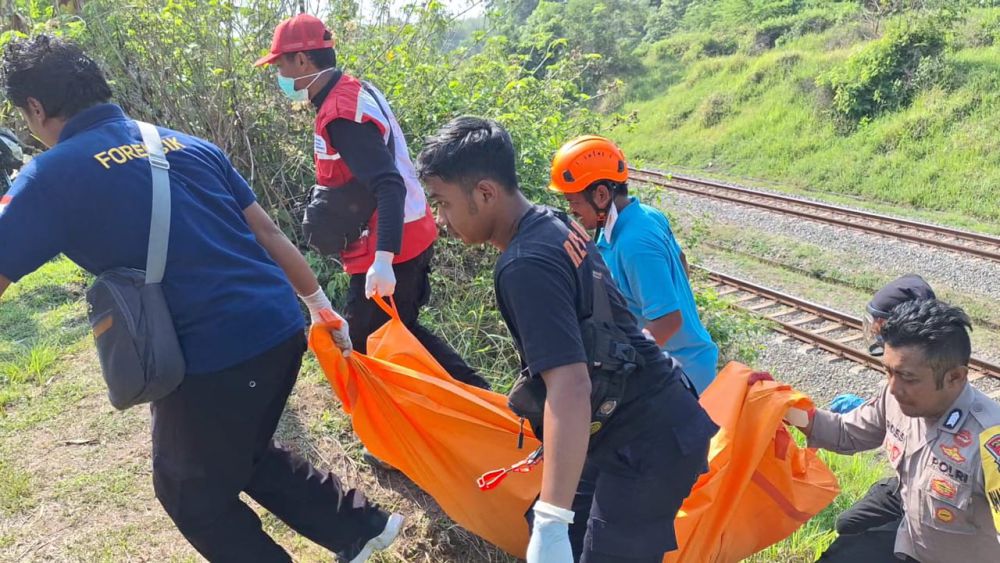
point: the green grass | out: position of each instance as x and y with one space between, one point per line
763 116
116 544
107 488
42 320
15 488
737 333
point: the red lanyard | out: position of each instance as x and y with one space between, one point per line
491 479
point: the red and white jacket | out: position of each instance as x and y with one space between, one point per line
349 100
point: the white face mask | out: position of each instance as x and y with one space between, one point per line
609 222
287 85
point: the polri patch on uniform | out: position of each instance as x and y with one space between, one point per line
894 453
989 450
944 488
944 515
953 453
963 439
953 419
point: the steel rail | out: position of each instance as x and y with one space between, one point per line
980 367
849 218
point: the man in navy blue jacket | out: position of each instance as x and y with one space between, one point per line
230 283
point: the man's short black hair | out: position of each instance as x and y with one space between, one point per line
320 58
939 329
469 149
55 72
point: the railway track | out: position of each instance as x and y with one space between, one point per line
936 236
827 329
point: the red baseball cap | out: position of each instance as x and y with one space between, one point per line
300 33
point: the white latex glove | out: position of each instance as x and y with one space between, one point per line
321 313
381 280
649 335
550 535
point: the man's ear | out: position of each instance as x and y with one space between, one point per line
602 195
487 191
35 109
956 376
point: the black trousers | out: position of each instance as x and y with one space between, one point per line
868 529
413 291
630 491
213 438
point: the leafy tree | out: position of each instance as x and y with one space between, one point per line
601 35
188 64
665 18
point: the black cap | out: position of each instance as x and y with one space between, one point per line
910 287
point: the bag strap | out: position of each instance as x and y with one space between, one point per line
385 115
389 308
601 305
159 222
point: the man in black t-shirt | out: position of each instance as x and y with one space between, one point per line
640 466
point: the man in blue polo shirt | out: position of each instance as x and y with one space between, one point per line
640 250
230 283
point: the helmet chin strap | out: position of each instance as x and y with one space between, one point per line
602 213
602 217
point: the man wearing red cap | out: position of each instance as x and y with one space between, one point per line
367 206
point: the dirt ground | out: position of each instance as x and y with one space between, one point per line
79 481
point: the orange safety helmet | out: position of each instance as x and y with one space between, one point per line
585 160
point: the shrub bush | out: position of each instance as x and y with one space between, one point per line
188 64
886 73
714 109
777 31
991 29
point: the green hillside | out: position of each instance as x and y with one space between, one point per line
931 143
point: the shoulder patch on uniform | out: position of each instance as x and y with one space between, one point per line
989 444
953 418
4 202
963 439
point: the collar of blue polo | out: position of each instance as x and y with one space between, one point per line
90 118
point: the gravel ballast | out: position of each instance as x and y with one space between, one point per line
891 257
807 368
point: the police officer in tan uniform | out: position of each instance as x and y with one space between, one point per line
940 434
